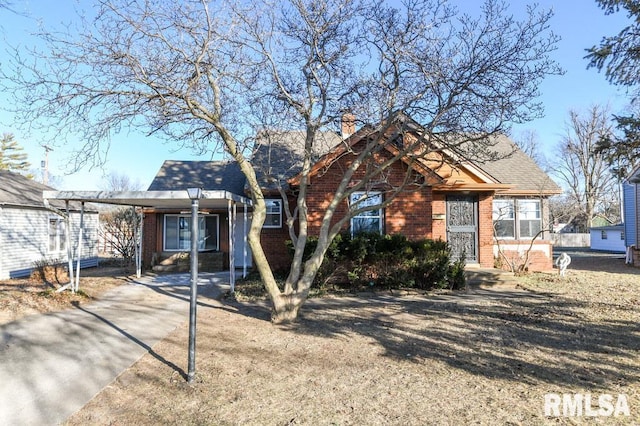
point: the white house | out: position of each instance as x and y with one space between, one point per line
608 238
32 232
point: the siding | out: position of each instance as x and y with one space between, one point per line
630 219
24 239
613 242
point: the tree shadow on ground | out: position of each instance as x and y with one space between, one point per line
510 335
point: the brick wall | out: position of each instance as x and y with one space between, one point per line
485 230
409 214
540 256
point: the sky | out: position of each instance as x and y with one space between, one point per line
579 23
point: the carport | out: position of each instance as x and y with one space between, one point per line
179 199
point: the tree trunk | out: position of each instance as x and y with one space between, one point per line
286 307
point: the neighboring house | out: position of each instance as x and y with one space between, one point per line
631 202
608 238
600 221
30 232
458 200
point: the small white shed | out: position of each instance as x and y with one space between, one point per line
608 238
32 232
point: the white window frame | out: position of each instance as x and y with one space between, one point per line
360 196
201 222
522 215
59 239
500 215
273 201
517 216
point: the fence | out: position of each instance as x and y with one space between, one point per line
571 240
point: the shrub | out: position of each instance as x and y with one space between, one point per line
50 271
387 261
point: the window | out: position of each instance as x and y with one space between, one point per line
622 236
57 235
516 218
177 232
603 235
366 221
529 219
274 214
504 218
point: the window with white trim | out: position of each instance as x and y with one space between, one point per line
529 218
57 235
504 218
603 234
369 220
516 218
177 232
273 218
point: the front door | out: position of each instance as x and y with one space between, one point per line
462 227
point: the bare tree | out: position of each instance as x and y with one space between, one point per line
206 78
582 168
118 231
529 142
118 224
115 181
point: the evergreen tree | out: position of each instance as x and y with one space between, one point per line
12 157
619 57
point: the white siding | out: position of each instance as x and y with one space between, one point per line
613 242
24 239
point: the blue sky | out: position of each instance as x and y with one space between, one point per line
580 23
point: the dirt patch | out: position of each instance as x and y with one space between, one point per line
476 357
27 296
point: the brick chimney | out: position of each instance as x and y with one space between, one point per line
348 125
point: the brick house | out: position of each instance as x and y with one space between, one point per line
481 208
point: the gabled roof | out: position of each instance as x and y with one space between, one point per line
516 168
511 171
208 175
19 191
280 154
278 157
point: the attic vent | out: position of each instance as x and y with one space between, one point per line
398 141
348 125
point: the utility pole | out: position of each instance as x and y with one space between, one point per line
45 164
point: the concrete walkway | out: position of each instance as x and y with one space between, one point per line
53 364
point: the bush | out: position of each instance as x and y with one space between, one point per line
50 271
371 260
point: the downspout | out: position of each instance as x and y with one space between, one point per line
141 236
67 237
79 251
244 243
231 212
1 242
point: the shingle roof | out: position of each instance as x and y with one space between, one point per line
281 153
19 191
208 175
516 168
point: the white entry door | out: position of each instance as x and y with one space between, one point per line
240 242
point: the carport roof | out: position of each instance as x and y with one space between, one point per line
153 199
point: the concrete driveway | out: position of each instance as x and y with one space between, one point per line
53 364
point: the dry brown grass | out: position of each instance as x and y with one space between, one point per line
37 294
477 357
